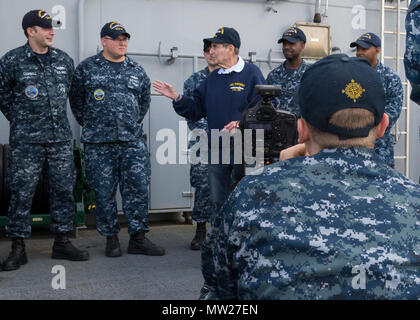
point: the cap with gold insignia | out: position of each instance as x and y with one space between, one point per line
293 35
37 18
113 30
226 35
339 82
367 40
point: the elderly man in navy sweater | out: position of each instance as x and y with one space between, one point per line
222 97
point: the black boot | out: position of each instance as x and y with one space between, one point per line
200 235
63 249
139 244
113 248
17 256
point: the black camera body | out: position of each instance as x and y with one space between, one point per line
280 126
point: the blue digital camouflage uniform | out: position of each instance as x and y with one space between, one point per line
110 105
33 97
394 101
203 207
288 82
412 52
337 225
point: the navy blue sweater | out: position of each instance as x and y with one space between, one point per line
221 97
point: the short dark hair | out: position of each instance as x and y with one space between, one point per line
349 118
26 31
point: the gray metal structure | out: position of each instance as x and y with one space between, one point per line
159 26
395 13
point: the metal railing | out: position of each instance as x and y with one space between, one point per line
398 9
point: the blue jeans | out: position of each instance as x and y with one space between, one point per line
220 179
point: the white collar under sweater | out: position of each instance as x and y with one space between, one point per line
237 67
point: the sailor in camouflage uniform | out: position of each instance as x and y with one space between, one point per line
412 51
110 96
337 223
34 84
288 74
203 206
368 47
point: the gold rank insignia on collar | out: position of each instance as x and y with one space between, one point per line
353 90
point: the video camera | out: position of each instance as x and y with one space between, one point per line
280 126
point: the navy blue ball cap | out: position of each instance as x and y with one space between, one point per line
226 35
38 18
367 40
339 82
113 29
293 35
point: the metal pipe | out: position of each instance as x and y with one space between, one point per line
407 116
407 129
192 56
326 9
398 36
81 26
383 30
195 64
81 43
149 54
317 16
397 69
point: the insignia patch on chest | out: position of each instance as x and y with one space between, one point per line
31 92
99 94
237 87
60 70
133 82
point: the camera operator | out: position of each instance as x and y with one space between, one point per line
324 226
412 51
280 132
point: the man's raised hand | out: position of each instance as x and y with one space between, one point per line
165 89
